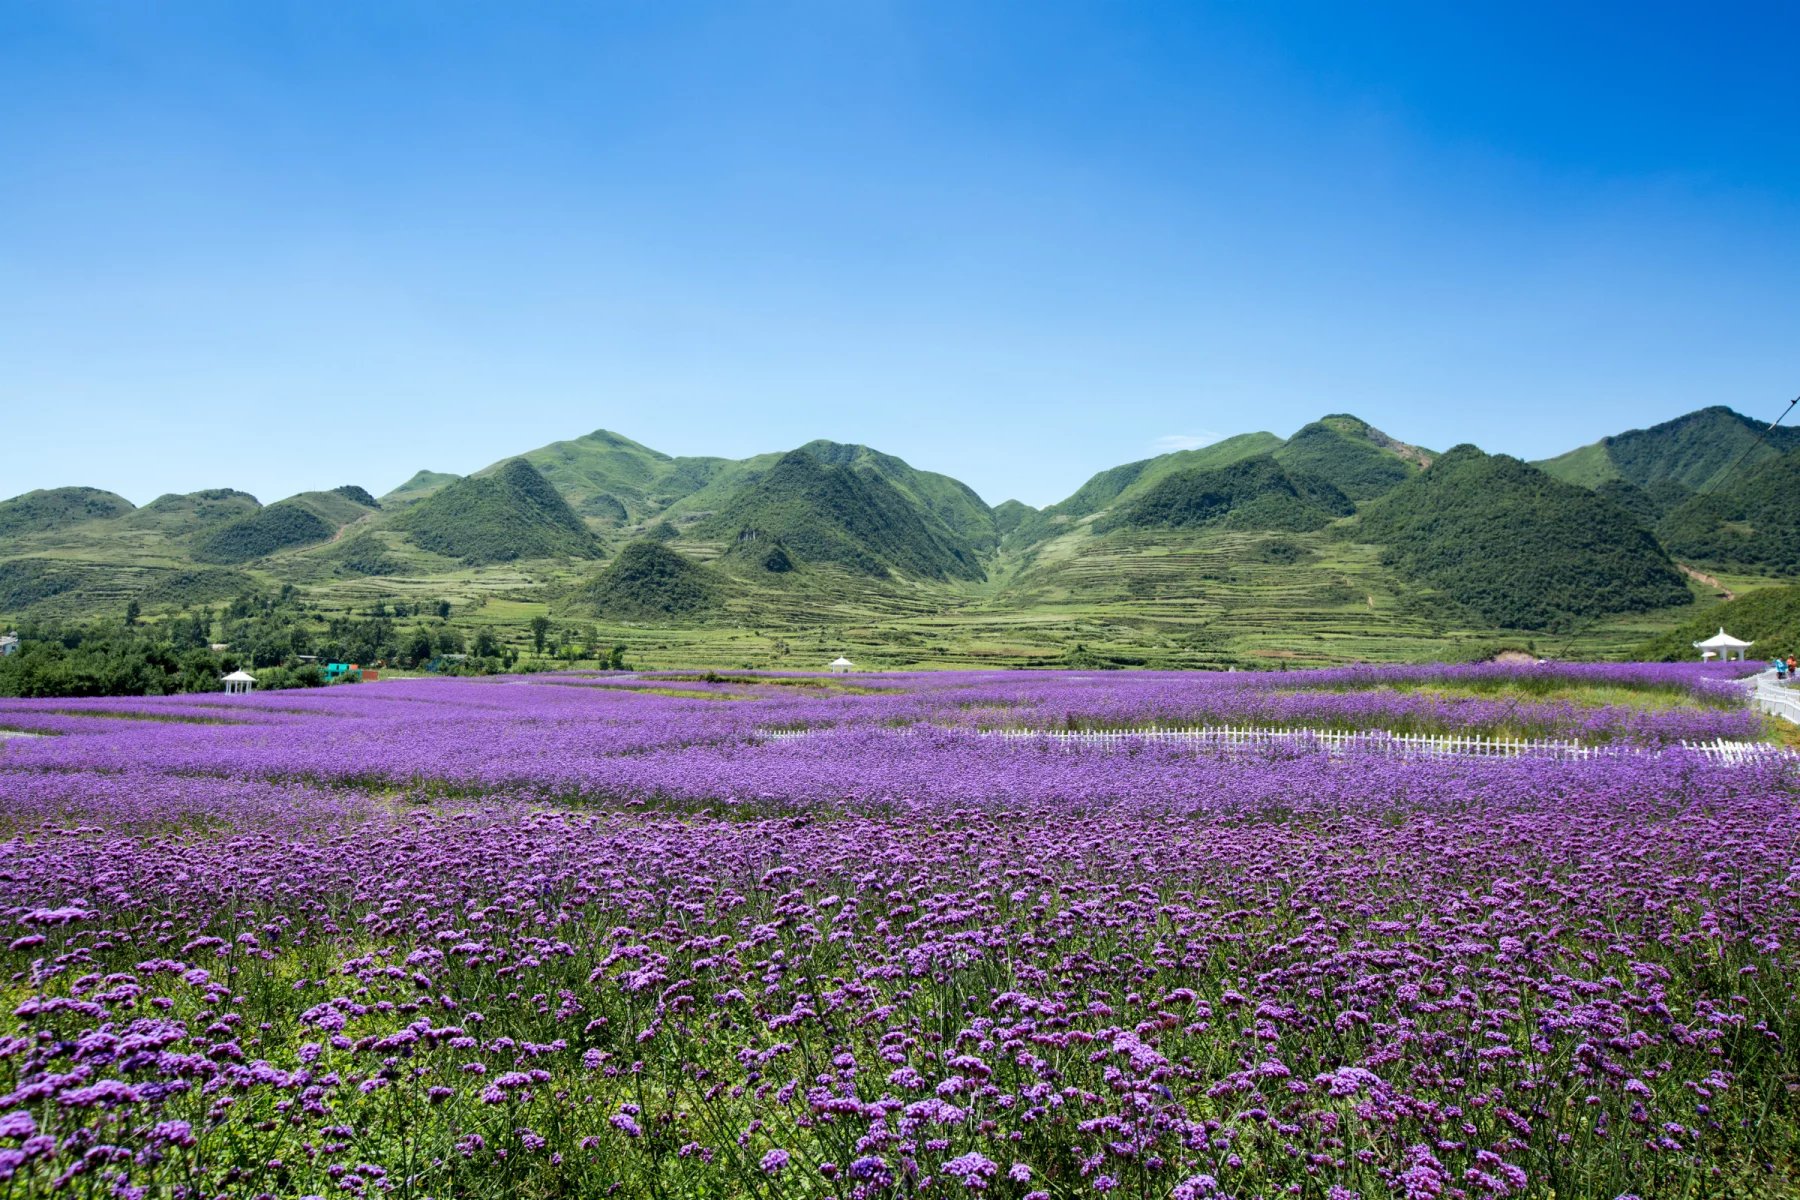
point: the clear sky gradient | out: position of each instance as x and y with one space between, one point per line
284 246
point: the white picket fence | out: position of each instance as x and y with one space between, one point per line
1338 742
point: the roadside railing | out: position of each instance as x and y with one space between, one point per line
1776 699
1339 742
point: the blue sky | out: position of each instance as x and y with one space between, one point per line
282 246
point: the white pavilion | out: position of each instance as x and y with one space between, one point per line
841 666
1721 645
239 682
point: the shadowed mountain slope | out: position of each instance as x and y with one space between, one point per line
1517 547
1751 522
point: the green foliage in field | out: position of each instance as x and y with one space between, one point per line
50 508
1517 547
1751 522
100 660
1256 493
839 514
1690 450
1351 455
1770 617
646 582
511 514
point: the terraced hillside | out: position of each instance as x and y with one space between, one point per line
1254 551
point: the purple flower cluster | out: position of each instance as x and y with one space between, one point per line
451 937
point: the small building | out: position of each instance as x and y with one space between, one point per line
219 647
841 666
239 682
9 644
1723 645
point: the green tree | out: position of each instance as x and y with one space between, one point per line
540 633
419 647
132 611
616 660
485 645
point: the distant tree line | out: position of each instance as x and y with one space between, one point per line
275 635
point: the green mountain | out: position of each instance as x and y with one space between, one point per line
1353 456
56 508
1750 523
1255 493
421 485
510 514
1010 514
842 514
302 520
1770 617
1335 545
187 514
1517 547
1648 504
1691 450
616 480
647 582
1121 484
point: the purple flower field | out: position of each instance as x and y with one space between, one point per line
567 936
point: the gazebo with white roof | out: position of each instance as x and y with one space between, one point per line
841 665
239 682
1722 644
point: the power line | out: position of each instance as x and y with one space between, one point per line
1748 450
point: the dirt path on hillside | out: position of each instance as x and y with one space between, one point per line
1708 580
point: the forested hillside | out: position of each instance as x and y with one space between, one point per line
846 517
1751 522
1353 456
1256 493
511 514
647 582
1373 543
1692 450
1519 548
52 508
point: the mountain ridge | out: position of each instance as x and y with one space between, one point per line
1140 542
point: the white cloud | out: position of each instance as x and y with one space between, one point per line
1186 441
